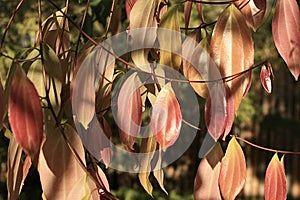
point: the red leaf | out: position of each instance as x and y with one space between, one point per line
206 184
253 10
1 105
232 50
25 114
128 6
275 180
265 77
200 13
187 14
130 111
219 111
233 171
286 31
166 117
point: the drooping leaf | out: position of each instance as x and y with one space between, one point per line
128 6
166 117
229 112
170 50
200 13
1 105
142 15
84 188
206 185
158 171
265 77
187 14
130 110
14 169
232 50
51 62
253 10
233 171
215 110
286 31
55 31
25 114
275 180
148 147
58 176
106 153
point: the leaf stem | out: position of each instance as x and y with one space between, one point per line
213 2
265 148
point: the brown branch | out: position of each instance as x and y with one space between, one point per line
266 148
109 18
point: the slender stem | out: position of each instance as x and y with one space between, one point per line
109 18
213 2
266 148
9 22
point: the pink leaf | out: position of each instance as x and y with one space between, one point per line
206 185
265 77
275 180
130 110
25 114
166 117
229 112
286 31
253 10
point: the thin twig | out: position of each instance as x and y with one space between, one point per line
109 18
266 148
9 23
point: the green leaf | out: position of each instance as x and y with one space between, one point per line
52 63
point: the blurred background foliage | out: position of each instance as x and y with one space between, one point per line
268 120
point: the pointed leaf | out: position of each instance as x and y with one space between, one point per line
148 147
51 62
200 13
233 171
166 117
170 50
158 171
187 14
232 50
128 6
130 110
58 177
275 180
142 15
1 105
265 77
206 185
14 169
253 10
286 31
25 114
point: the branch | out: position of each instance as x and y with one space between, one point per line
266 148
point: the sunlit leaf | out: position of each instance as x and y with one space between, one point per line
158 171
233 171
166 117
148 147
84 188
265 77
253 10
1 105
229 112
170 50
142 15
130 110
51 62
206 185
58 168
232 50
14 169
275 180
128 6
286 31
25 114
